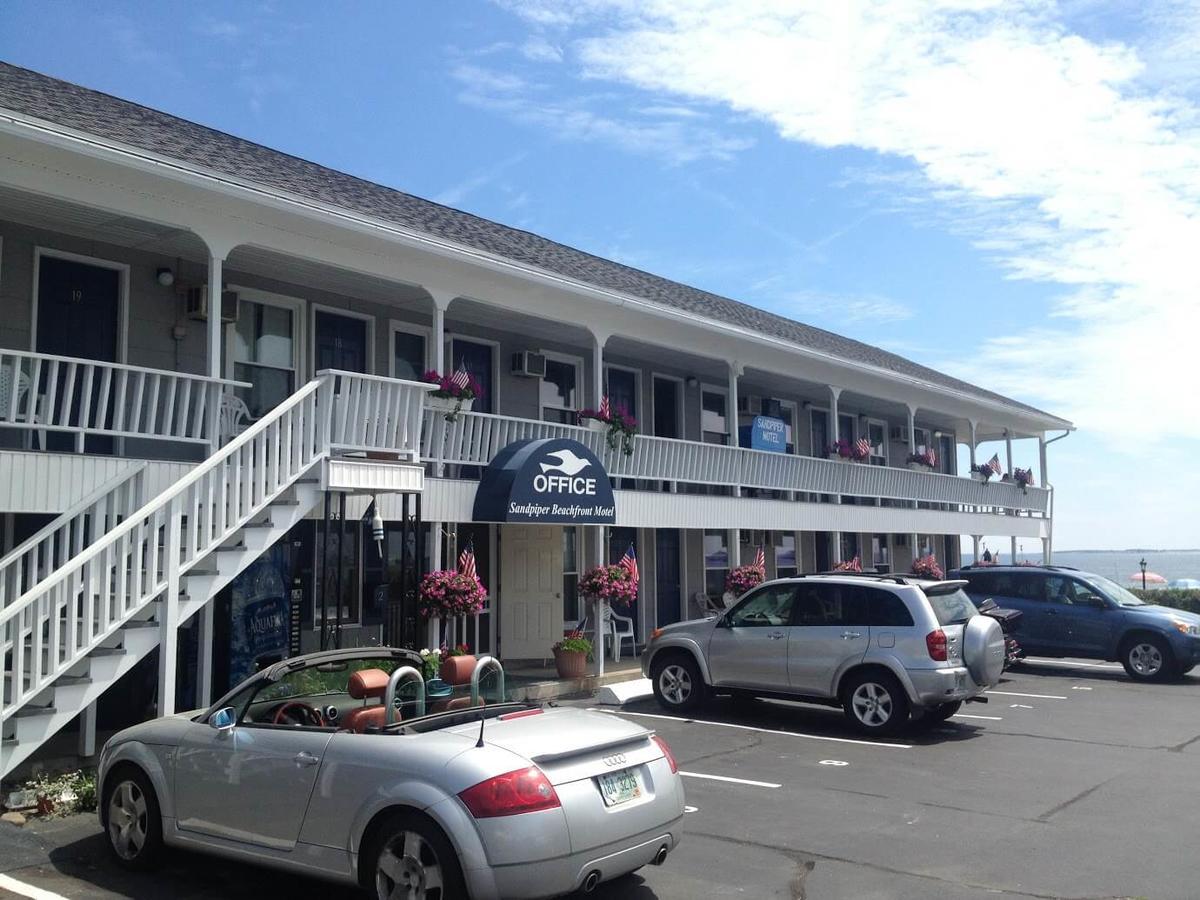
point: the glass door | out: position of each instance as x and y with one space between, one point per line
264 350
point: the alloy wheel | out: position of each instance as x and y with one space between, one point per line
675 683
872 704
408 869
1146 659
127 820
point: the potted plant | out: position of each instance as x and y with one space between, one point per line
742 579
453 393
846 450
850 565
622 428
571 655
925 459
447 593
982 473
612 584
458 663
1023 477
927 566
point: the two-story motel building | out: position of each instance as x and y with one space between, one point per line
156 533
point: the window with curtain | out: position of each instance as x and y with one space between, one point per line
716 561
785 554
621 387
714 417
264 354
559 392
408 355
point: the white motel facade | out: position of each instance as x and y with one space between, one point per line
210 355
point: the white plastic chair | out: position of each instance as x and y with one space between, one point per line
621 628
234 417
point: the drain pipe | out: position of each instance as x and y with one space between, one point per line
1048 551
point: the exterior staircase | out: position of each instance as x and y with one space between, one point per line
95 609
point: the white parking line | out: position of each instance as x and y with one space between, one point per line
1034 696
988 718
766 784
795 734
8 883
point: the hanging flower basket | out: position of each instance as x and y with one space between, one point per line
743 578
453 394
928 567
1023 477
614 584
622 428
593 424
925 460
446 593
450 404
850 565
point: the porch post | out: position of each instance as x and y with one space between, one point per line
598 612
835 537
87 731
168 617
441 300
1013 553
1047 542
974 429
599 339
432 638
204 647
912 436
1008 449
976 538
215 265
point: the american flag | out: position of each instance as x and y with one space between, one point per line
466 560
994 464
760 560
461 378
932 457
629 563
863 446
605 408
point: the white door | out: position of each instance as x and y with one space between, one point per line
531 567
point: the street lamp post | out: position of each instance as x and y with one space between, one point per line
1143 565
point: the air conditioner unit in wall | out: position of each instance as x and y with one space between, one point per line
196 301
748 404
772 408
897 433
529 364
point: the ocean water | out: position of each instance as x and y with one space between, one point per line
1118 564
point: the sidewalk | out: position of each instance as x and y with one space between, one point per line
538 683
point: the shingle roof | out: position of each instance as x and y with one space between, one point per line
50 99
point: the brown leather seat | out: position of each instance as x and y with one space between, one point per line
365 684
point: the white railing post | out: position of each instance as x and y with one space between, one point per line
168 621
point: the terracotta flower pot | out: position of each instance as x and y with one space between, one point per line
570 663
457 669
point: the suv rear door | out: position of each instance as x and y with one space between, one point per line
830 631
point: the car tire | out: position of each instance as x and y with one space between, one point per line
132 820
409 855
678 684
875 703
1148 657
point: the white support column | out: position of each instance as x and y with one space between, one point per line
204 655
974 430
1012 558
735 547
87 731
1047 542
735 371
168 614
835 537
441 300
433 638
598 612
215 266
1008 449
976 538
1045 551
1045 482
598 341
912 429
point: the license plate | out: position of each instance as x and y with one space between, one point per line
620 787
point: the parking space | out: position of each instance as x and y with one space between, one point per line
1070 782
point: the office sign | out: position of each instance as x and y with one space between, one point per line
547 481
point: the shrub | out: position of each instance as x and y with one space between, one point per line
1187 599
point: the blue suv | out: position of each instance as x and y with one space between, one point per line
1071 613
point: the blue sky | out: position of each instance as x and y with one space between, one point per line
1007 191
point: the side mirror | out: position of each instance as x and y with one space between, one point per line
1096 602
223 719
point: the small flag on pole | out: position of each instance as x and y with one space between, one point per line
461 378
863 446
994 464
605 408
760 560
629 563
466 560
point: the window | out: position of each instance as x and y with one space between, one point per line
768 606
953 608
846 427
716 562
714 416
264 354
785 554
877 438
830 605
621 387
881 555
559 391
570 574
478 359
885 609
408 354
821 439
850 546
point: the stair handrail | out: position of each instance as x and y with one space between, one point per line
167 497
63 519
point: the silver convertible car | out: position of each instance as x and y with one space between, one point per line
328 764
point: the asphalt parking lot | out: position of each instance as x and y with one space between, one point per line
1071 782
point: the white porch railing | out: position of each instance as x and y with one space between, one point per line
85 601
43 393
475 438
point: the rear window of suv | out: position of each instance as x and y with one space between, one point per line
953 608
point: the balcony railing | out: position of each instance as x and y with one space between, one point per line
473 439
41 393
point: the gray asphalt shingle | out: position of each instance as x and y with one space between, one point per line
31 93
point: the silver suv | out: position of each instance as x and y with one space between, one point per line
883 647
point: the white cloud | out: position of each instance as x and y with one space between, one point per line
832 309
1067 158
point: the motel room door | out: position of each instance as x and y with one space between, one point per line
531 582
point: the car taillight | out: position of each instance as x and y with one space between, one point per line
936 642
510 794
662 745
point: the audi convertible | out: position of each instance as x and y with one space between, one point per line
329 764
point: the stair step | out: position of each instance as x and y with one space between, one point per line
69 680
240 548
26 712
107 651
308 481
140 623
9 742
201 573
267 524
285 502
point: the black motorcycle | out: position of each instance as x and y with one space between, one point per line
1008 619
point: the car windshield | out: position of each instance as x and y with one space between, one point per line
954 608
1116 592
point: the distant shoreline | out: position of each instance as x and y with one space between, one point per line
1132 550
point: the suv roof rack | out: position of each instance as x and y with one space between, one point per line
971 567
896 577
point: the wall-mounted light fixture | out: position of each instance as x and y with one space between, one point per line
691 381
165 277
